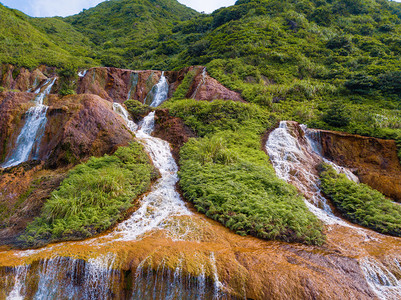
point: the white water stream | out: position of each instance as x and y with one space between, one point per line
159 92
163 201
134 83
202 82
295 155
28 141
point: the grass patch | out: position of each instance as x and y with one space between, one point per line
228 177
361 204
93 197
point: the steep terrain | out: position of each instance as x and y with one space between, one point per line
148 141
27 44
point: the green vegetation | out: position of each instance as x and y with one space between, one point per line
226 175
124 29
331 64
137 109
22 44
361 204
93 197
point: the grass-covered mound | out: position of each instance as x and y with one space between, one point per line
226 175
93 197
361 204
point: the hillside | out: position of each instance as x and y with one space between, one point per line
124 29
25 41
148 151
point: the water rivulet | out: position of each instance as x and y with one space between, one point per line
295 152
159 92
102 276
28 141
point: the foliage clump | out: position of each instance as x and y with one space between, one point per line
93 197
137 109
226 175
361 204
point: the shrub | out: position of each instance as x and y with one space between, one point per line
93 197
361 204
228 177
337 115
137 109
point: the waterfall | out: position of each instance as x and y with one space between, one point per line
159 92
28 141
82 73
314 140
163 201
102 277
202 82
20 274
295 154
381 279
118 108
295 163
165 283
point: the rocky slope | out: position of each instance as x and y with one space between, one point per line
120 85
193 255
374 161
78 127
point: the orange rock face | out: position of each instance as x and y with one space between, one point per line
205 87
23 79
375 160
81 126
119 84
173 130
23 191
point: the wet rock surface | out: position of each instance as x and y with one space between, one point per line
173 130
23 191
22 79
80 126
374 160
120 85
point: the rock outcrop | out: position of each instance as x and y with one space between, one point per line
173 130
23 191
78 127
23 79
119 85
205 87
375 161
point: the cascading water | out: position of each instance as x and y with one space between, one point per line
163 201
159 92
202 82
118 108
166 283
82 73
295 151
103 277
28 141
